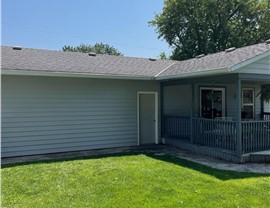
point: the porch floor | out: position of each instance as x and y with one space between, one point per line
267 152
262 156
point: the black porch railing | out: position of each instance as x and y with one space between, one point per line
255 136
219 134
214 133
177 127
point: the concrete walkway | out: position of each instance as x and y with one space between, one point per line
157 149
224 165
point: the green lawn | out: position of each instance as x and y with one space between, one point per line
136 180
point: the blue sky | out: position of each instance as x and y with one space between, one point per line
50 24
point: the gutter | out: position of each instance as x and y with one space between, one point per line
195 74
70 74
112 76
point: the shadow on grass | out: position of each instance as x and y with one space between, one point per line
219 174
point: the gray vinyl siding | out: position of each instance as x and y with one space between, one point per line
49 114
261 66
267 107
230 101
230 96
177 100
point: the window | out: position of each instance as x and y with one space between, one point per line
212 102
247 103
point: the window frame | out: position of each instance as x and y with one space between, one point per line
223 91
248 104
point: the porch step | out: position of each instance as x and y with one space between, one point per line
260 157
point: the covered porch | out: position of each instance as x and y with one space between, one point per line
219 115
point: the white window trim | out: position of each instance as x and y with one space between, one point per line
253 100
223 98
156 115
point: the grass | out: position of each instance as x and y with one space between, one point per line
136 180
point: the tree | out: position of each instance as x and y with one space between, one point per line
265 93
99 48
194 27
163 56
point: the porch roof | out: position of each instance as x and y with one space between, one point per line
222 62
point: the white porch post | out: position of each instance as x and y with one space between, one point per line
238 118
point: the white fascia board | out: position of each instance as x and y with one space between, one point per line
70 74
249 61
211 72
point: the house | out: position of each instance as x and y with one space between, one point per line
54 101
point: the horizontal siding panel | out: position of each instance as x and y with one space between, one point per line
88 103
101 139
68 123
91 130
26 95
17 102
267 107
71 143
259 67
18 123
63 127
67 105
15 152
265 60
66 136
96 113
258 71
231 110
177 100
66 109
46 114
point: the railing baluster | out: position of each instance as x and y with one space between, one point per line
266 116
257 135
218 133
177 126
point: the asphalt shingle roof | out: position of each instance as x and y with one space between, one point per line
75 62
218 60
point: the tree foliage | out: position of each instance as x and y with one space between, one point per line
163 56
99 48
265 93
193 27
